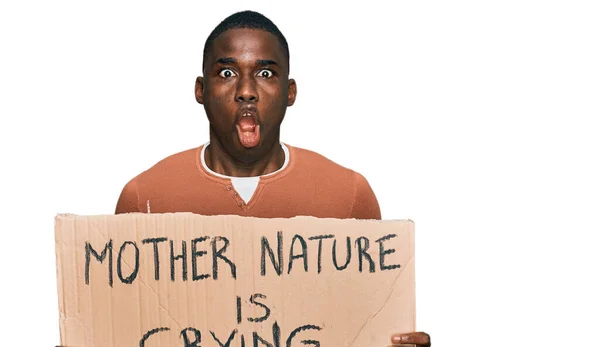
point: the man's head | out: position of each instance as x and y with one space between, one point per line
245 89
246 20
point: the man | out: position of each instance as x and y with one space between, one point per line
244 169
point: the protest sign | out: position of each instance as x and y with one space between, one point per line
188 280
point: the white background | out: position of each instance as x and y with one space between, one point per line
476 119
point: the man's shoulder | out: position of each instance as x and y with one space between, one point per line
163 178
306 157
318 165
185 157
335 181
174 165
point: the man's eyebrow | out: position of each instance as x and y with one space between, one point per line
226 60
266 62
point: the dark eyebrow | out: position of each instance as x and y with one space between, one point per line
226 61
266 62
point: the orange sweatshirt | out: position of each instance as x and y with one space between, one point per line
310 185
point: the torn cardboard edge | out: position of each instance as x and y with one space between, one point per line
67 216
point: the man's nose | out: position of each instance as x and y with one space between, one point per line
246 90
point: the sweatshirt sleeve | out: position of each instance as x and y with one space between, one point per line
365 204
128 200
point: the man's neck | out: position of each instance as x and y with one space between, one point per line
220 161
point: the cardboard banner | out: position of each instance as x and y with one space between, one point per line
180 279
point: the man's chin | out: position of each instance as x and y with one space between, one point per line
248 145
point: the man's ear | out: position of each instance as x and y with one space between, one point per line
199 89
292 92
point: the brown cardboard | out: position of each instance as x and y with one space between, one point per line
344 307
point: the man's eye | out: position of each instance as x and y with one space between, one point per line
265 73
226 73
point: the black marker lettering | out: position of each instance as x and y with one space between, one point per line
228 340
219 254
302 255
182 256
239 309
196 254
320 238
348 254
276 338
89 250
136 266
362 253
290 339
186 339
150 333
258 303
383 252
264 246
155 242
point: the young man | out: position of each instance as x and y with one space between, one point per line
245 169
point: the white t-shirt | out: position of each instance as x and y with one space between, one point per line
245 186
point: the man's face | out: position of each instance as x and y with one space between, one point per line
245 91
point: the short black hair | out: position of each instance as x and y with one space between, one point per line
247 20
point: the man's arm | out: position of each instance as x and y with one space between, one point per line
365 205
128 200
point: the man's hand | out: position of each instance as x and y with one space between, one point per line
419 339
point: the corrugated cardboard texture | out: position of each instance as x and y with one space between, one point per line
189 280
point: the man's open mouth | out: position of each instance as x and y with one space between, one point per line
247 126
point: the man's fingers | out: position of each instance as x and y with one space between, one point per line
418 338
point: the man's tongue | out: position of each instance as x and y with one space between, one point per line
248 132
247 124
